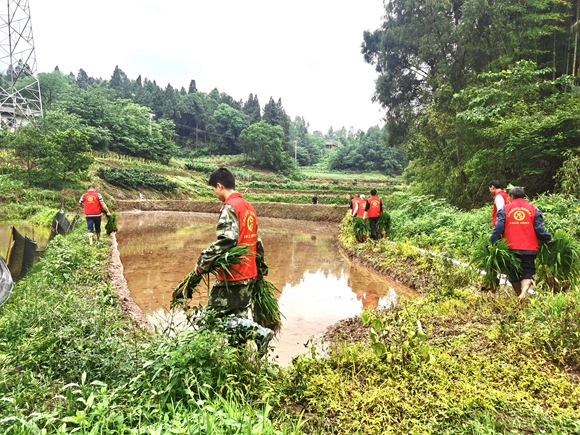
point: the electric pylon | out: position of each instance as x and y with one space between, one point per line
20 99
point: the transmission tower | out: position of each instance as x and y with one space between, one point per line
19 87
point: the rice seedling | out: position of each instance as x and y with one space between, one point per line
111 225
265 309
384 224
221 267
361 229
494 259
558 262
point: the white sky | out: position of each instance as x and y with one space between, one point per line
306 52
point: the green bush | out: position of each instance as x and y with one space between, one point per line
558 262
135 178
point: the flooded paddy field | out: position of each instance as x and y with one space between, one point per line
319 286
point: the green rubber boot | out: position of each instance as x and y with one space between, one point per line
243 330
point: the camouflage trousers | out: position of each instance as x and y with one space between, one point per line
233 299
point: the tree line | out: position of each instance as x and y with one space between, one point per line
478 90
141 119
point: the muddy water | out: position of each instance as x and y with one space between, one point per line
319 286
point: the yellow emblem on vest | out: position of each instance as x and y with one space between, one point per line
519 215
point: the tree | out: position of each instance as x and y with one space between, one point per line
29 147
274 114
193 116
367 152
229 124
52 86
120 83
517 125
252 109
423 46
263 143
192 87
83 80
72 151
133 132
170 103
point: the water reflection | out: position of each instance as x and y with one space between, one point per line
318 285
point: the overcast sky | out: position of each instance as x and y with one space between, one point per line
306 52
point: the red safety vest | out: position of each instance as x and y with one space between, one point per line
519 229
355 201
361 207
494 212
91 203
374 207
248 226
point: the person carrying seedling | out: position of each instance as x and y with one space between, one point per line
358 206
373 211
500 198
93 205
231 294
521 224
353 203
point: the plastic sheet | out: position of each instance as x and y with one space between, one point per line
6 282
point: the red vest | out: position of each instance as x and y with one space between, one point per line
361 208
355 201
494 212
375 207
91 203
519 225
248 227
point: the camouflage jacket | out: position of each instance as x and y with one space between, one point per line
227 232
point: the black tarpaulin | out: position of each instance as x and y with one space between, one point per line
29 255
60 223
15 254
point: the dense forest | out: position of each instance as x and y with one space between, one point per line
479 90
141 119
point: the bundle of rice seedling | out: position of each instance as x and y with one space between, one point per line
361 229
265 305
558 262
494 259
222 266
384 224
111 225
186 287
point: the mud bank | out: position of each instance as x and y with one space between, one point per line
120 284
307 212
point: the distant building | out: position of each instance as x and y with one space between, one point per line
9 119
331 145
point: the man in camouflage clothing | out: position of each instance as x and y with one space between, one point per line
231 296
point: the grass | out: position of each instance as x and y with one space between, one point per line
72 361
454 361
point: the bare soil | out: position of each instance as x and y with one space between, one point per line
307 212
120 284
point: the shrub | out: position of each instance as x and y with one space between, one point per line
558 262
135 178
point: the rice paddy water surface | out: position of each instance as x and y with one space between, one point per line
318 285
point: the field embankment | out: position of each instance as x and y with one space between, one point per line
316 213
